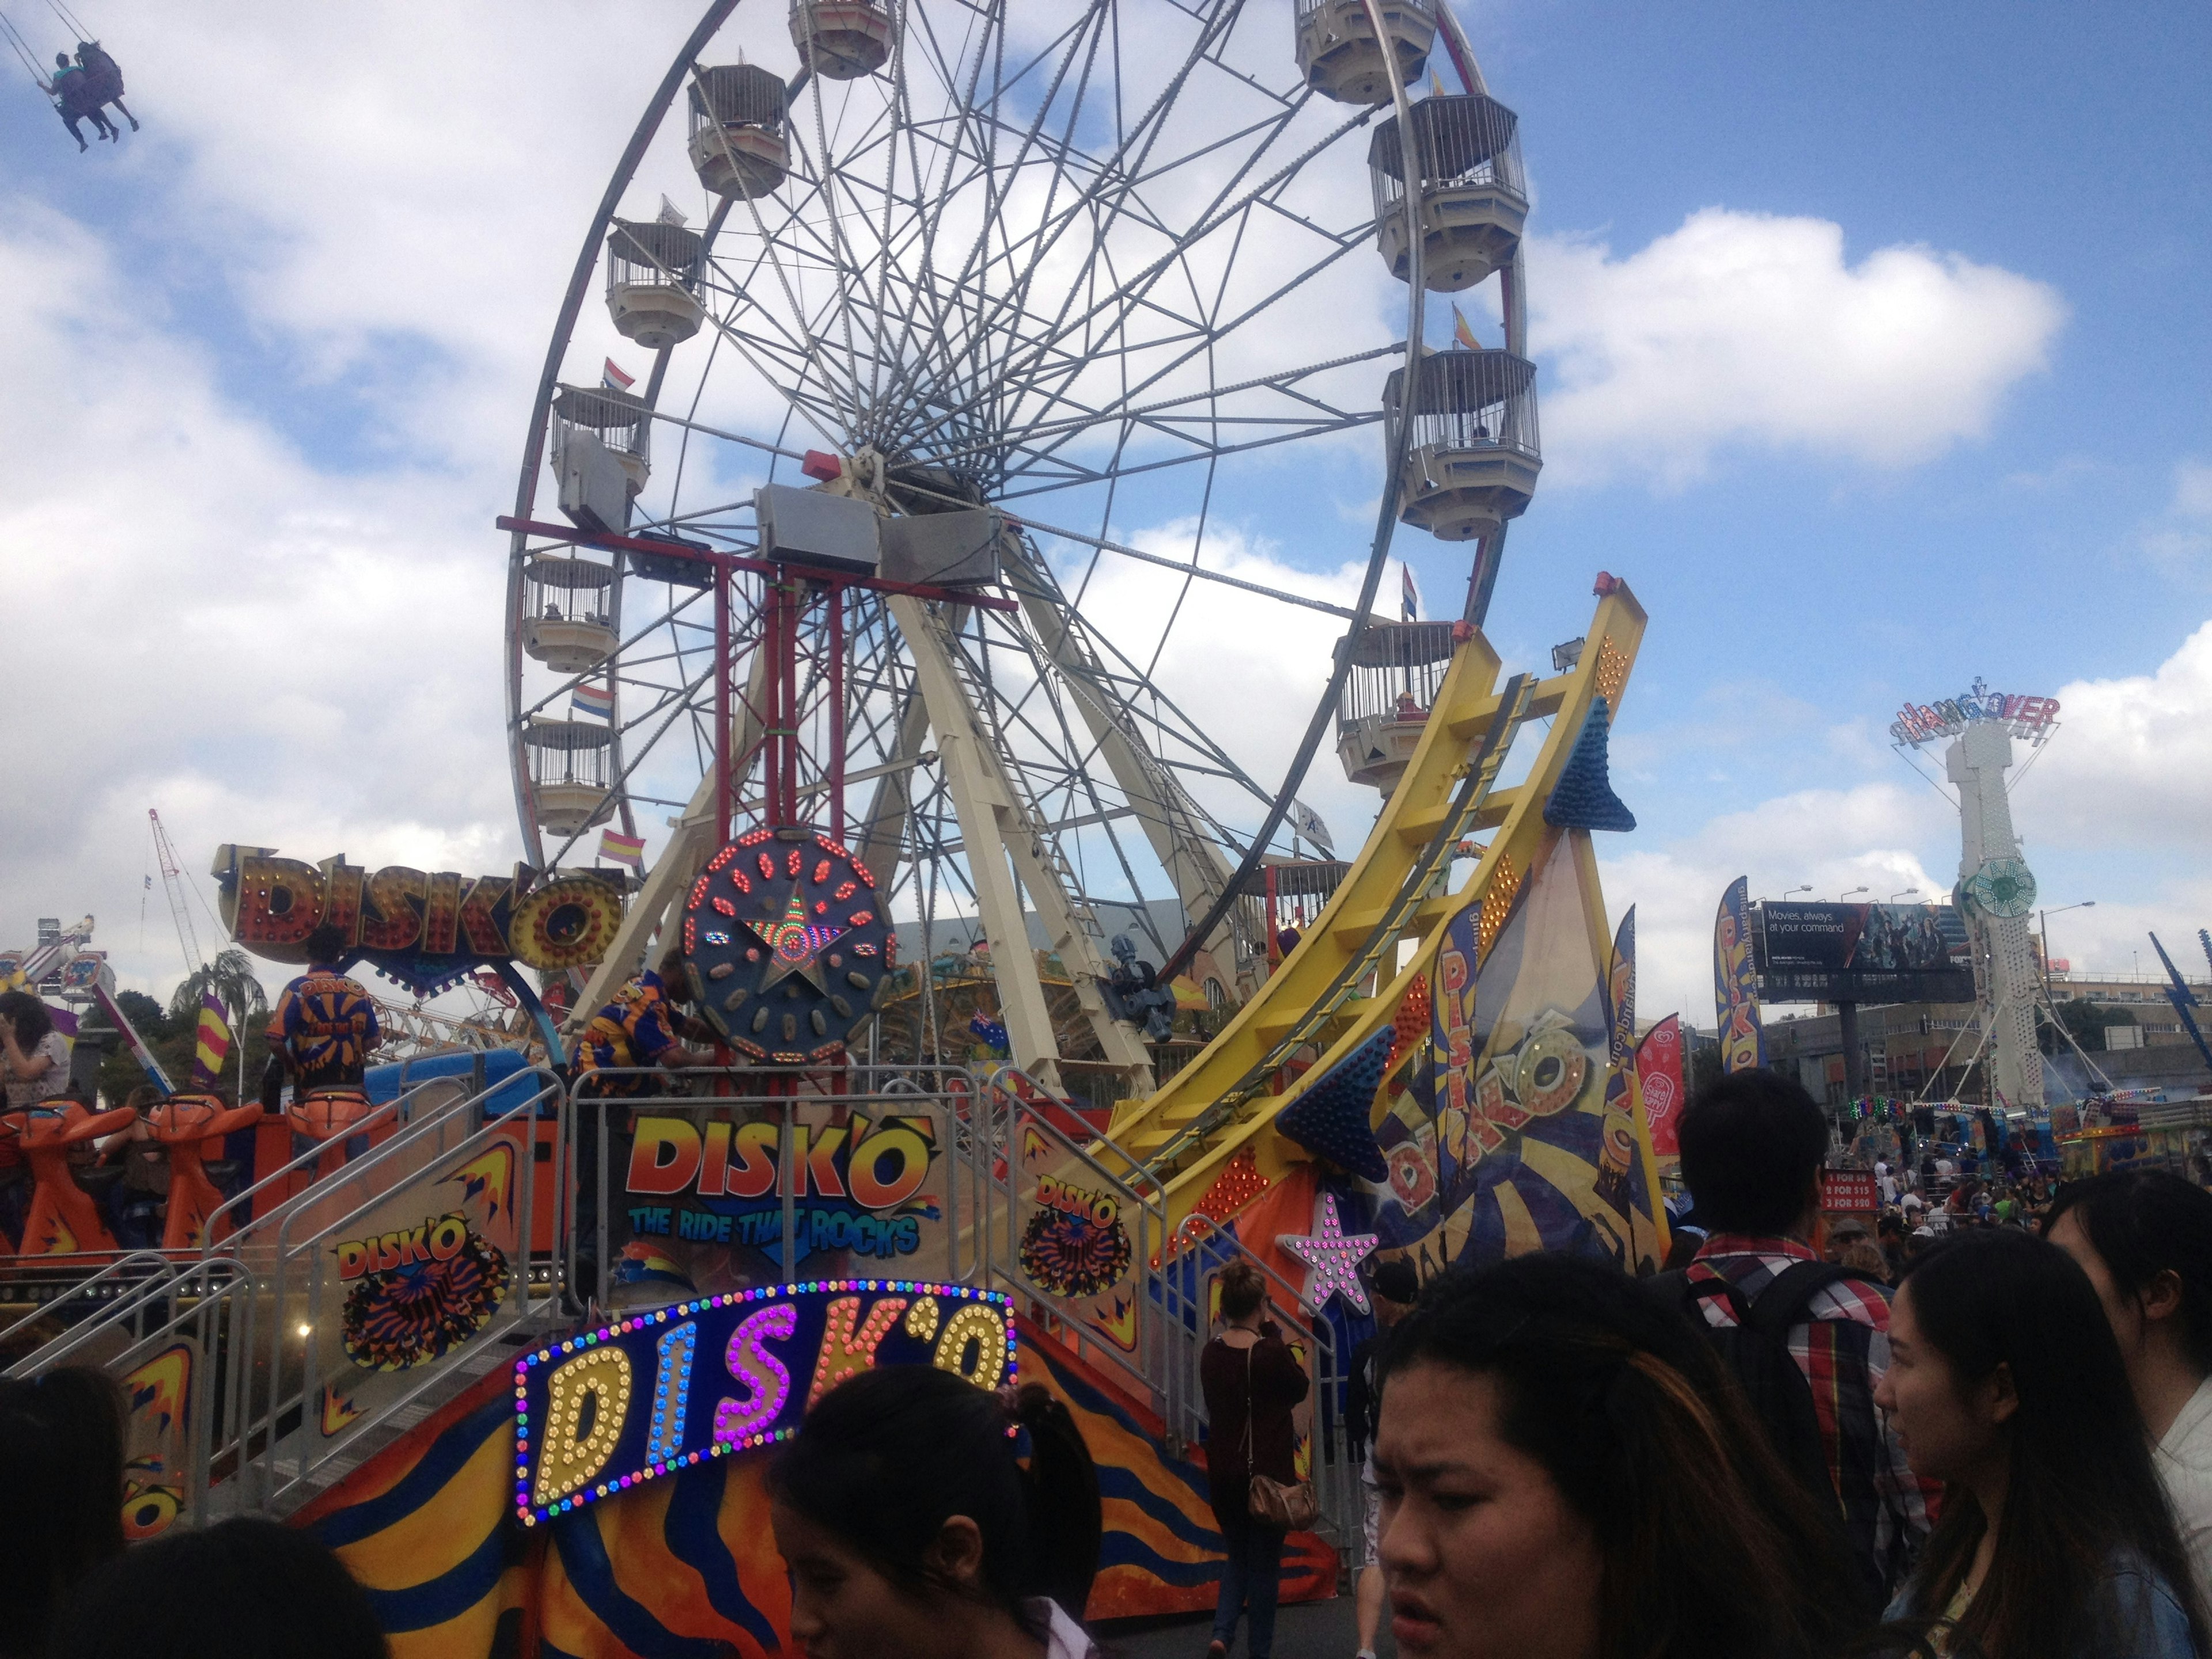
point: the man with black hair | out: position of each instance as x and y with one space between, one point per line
1753 1142
1397 1286
2144 1237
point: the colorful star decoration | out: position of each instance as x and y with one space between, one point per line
1335 1257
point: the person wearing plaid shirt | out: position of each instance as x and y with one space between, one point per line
1752 1148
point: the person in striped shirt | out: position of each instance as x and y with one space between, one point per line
1752 1144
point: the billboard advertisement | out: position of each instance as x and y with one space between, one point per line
1862 953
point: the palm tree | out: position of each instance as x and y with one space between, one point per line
230 976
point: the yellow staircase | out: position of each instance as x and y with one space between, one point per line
1344 981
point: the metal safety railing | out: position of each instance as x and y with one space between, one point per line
229 1339
295 1428
592 1197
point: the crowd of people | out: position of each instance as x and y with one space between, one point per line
1998 1444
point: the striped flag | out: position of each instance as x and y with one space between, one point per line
593 700
622 849
212 1046
1409 601
1461 332
614 379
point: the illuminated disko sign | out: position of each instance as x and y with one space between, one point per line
652 1394
2024 717
424 929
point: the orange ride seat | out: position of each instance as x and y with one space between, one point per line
62 1219
330 1115
190 1126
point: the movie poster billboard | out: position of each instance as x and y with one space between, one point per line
1862 953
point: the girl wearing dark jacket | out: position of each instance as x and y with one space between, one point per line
1252 1380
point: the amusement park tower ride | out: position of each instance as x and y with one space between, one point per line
1997 891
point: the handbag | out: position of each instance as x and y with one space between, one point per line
1279 1506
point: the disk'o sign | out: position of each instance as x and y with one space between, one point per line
789 949
653 1393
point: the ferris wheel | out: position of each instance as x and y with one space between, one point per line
964 292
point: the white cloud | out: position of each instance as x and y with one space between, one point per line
1744 330
1249 673
201 620
2131 762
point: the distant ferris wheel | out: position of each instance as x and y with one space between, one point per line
1035 278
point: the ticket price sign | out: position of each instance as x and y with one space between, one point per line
654 1393
1848 1191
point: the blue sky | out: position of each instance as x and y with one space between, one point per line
1874 353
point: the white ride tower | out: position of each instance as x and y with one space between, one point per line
1996 890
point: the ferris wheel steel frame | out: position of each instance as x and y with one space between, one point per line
995 815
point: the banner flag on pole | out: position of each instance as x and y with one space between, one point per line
622 849
1735 981
212 1046
1630 1169
1659 1076
1461 332
1409 608
593 700
613 380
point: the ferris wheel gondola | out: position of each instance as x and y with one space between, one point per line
990 281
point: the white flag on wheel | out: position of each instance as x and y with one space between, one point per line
1307 823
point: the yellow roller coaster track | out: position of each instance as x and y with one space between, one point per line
1323 999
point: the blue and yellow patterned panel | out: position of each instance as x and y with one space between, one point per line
428 1528
679 1569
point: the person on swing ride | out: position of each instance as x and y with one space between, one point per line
73 100
103 78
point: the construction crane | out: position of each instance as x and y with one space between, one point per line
172 885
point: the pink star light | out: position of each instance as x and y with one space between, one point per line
1334 1256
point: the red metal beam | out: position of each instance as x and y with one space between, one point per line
834 579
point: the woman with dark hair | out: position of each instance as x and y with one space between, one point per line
1252 1382
249 1588
2055 1541
912 1529
2144 1236
1568 1472
33 1056
61 1496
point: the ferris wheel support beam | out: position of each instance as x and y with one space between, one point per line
691 845
995 826
1169 819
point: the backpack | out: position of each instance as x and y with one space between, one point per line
1756 1352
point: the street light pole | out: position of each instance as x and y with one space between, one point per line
2043 928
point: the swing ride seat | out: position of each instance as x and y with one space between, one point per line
64 1219
331 1116
187 1125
